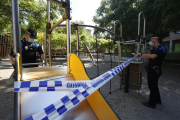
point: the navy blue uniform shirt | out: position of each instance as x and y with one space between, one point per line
23 42
160 51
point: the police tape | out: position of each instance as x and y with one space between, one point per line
45 85
67 102
48 86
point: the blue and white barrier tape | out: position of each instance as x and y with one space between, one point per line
67 102
49 85
45 86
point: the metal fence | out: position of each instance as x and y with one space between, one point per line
6 43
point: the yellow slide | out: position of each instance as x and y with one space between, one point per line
94 107
99 106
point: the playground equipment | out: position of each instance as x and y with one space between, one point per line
131 76
28 103
34 104
88 51
136 84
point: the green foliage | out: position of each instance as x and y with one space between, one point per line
5 15
33 14
162 16
40 37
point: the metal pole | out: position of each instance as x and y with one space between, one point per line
16 30
139 16
17 49
45 43
55 25
138 43
97 54
144 30
77 38
49 40
94 27
126 43
111 63
129 41
48 11
49 35
68 29
111 68
114 39
119 56
144 45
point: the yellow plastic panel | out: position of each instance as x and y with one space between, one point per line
96 101
77 68
100 107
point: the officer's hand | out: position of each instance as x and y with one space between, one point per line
139 54
135 53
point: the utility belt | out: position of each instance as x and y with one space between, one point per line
151 68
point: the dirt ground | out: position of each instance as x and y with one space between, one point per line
127 106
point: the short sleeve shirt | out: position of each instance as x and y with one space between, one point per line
160 51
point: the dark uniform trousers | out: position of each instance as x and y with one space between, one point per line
153 76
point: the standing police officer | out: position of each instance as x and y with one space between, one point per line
155 58
28 50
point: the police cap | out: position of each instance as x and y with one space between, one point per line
32 33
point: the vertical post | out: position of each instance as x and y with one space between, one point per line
49 33
119 56
97 53
144 44
111 65
126 88
6 45
16 29
45 47
77 38
3 47
114 39
138 42
49 40
68 29
17 49
144 30
48 11
111 68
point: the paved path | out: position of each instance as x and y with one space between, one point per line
128 106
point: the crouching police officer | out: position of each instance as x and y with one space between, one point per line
155 58
28 50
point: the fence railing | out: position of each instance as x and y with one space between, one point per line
6 43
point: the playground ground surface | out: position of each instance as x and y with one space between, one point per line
128 106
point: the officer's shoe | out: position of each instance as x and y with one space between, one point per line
149 105
159 102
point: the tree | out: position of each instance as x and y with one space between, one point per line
32 13
5 15
162 16
122 10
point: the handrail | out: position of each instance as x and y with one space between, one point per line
93 27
